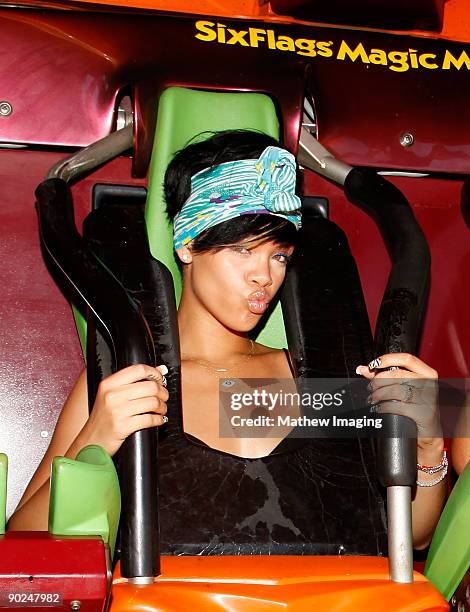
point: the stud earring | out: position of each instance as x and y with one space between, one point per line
185 257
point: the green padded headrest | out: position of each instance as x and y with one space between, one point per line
182 115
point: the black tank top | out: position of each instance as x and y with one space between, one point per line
314 496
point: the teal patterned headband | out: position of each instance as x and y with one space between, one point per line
245 187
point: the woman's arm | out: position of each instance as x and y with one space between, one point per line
415 397
427 505
129 400
32 510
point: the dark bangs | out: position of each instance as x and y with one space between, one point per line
246 228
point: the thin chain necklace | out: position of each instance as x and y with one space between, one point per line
215 369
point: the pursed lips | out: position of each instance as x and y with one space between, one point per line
258 302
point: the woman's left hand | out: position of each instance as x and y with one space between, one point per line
409 389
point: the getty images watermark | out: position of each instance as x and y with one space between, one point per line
273 401
337 407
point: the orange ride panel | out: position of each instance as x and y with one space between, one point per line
265 584
456 20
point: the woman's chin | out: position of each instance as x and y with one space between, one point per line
245 325
252 321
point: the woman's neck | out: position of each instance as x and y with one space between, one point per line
202 336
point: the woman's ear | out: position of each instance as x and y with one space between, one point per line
185 255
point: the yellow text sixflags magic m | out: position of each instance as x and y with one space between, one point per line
397 60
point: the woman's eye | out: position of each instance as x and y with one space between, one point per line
282 257
240 249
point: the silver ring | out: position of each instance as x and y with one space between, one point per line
165 418
374 407
409 393
391 368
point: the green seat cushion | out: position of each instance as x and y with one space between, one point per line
449 555
85 498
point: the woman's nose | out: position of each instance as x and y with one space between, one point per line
261 273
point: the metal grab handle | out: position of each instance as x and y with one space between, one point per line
131 343
398 328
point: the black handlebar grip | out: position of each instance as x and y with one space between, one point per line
396 450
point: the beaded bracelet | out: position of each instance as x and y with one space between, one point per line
432 469
442 467
431 483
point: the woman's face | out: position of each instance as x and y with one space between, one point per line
236 284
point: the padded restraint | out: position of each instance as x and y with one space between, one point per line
326 317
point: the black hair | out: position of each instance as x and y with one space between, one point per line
220 147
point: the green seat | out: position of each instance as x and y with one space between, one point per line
85 498
3 491
80 323
182 115
449 554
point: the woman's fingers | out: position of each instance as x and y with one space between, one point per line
133 374
365 371
133 383
145 421
129 400
123 400
396 392
411 397
148 404
400 383
409 391
405 361
159 375
148 388
397 377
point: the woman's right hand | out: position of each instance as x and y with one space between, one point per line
132 399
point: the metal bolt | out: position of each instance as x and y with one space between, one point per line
75 605
407 139
453 601
124 114
121 121
5 109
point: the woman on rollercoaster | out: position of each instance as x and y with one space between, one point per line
236 216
